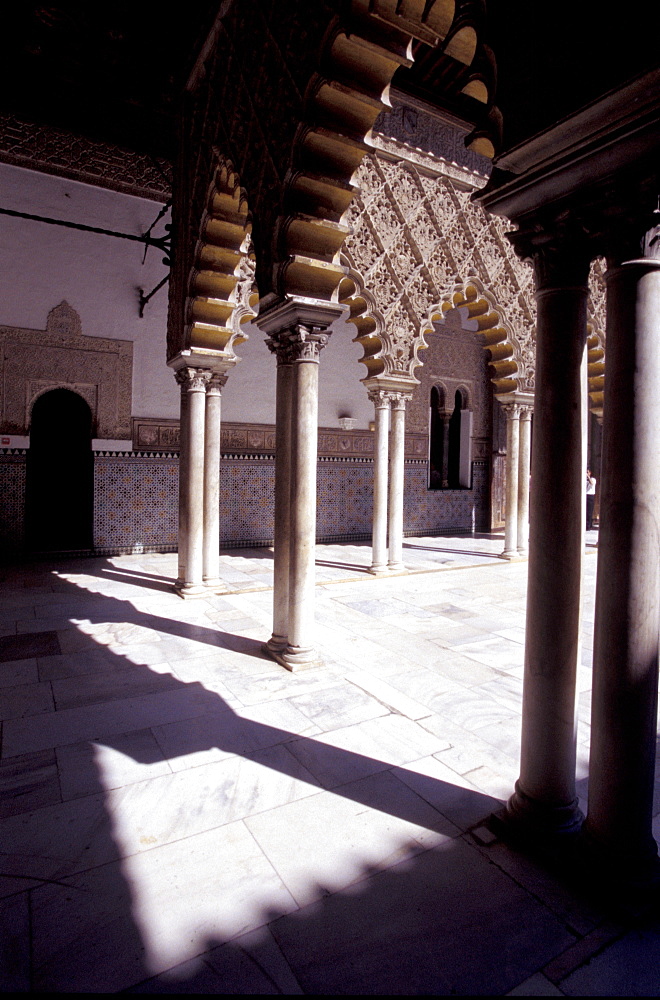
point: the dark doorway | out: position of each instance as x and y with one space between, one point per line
60 474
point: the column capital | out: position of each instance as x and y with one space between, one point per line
560 253
512 410
216 384
380 398
636 242
399 399
193 379
301 343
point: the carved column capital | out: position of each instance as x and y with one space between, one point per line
512 410
301 343
561 256
193 379
216 384
380 398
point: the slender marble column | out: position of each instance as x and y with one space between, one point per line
545 802
512 411
280 637
305 344
446 417
211 552
193 478
397 479
524 456
182 377
625 677
381 401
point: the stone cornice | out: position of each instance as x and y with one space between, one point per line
604 156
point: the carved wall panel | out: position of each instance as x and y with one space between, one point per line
35 361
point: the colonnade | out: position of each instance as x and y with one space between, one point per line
617 829
518 408
389 478
199 481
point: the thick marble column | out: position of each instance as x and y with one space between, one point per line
512 411
192 496
397 480
305 346
625 673
524 459
379 555
283 400
545 803
212 426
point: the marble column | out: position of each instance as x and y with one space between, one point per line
379 555
544 803
397 480
192 481
445 416
512 411
283 399
212 425
524 458
182 377
305 345
625 671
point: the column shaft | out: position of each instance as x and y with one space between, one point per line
524 457
545 800
512 464
182 532
625 680
279 638
211 551
304 447
194 485
381 401
397 481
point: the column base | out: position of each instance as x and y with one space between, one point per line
380 570
276 644
528 819
511 555
188 591
632 875
216 586
523 553
396 568
295 658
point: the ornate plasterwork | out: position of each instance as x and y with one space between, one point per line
211 301
596 335
55 151
33 362
417 238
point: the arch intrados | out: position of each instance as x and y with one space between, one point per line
58 388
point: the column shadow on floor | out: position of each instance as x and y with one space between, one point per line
416 927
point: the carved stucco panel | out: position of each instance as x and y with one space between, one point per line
33 361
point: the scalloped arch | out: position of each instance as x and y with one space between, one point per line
493 328
221 295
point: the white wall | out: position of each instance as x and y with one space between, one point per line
99 276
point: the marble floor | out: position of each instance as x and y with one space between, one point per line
182 815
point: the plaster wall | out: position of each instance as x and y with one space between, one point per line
99 276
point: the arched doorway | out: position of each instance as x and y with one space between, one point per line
60 474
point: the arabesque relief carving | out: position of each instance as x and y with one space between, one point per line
419 246
98 369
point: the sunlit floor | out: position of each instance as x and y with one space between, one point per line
184 815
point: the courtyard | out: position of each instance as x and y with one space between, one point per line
181 814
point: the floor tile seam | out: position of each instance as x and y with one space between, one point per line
434 807
296 907
555 911
604 934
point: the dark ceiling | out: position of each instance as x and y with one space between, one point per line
115 71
